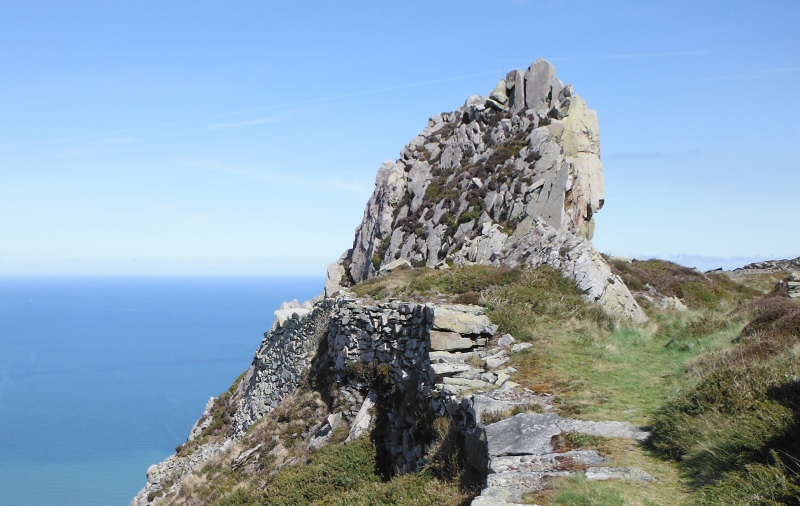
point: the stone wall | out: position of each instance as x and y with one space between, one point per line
278 365
382 353
391 370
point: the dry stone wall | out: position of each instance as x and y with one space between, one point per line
384 351
392 369
278 365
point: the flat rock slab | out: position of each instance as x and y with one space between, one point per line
530 433
449 341
463 319
467 383
446 357
618 473
442 370
511 486
547 462
523 434
483 405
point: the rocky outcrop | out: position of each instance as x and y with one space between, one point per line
512 179
165 476
790 286
772 266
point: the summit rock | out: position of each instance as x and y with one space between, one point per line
511 179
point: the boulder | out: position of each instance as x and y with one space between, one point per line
538 86
449 341
361 424
463 319
400 263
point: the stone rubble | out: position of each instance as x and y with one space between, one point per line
791 285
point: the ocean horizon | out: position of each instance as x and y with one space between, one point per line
102 376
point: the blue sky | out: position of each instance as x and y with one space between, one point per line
244 137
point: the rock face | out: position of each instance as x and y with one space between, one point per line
513 179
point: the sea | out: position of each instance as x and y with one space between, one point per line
100 377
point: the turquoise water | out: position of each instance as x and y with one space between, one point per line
102 376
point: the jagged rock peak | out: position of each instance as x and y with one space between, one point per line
512 178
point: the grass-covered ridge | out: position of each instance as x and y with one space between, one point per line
716 382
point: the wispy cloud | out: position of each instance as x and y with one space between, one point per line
664 54
249 122
275 118
771 73
359 187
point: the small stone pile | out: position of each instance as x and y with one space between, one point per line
790 286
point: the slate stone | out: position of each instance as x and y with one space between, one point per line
462 319
449 341
538 86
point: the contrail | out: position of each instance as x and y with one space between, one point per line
655 55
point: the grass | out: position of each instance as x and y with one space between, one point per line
696 289
667 490
756 383
524 302
622 374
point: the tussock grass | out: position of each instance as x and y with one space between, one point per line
733 425
524 302
696 289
